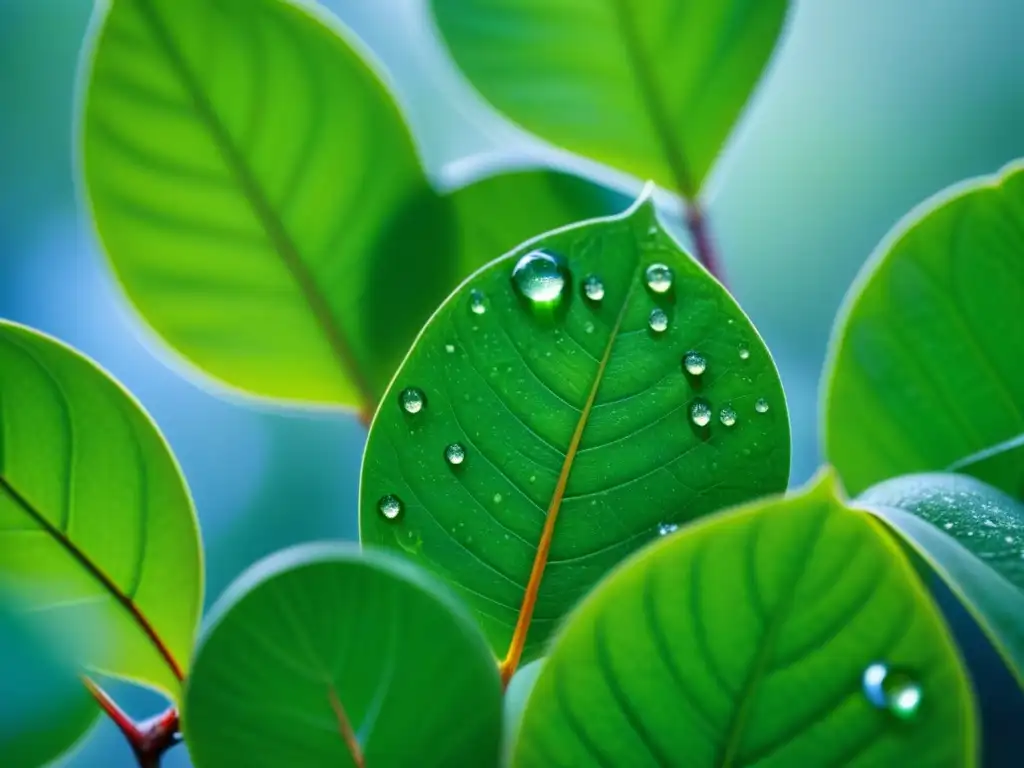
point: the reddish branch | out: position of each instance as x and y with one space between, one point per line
149 739
700 231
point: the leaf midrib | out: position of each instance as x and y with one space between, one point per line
94 570
274 228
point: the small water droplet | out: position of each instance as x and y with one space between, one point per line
652 230
761 405
988 523
477 302
744 353
727 416
449 348
533 478
700 413
390 506
593 288
1009 539
893 690
658 320
695 363
455 454
588 327
497 498
659 278
664 529
948 526
412 399
540 277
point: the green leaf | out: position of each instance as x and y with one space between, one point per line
261 201
927 361
750 639
972 535
321 653
579 413
653 88
96 524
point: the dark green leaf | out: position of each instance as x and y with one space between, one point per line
751 639
261 201
577 411
96 524
653 88
973 536
927 362
320 653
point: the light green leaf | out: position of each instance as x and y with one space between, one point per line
927 360
321 654
653 87
755 638
261 201
96 524
575 411
972 535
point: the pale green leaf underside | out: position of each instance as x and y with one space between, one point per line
511 385
973 536
653 87
927 364
742 641
261 202
96 524
412 673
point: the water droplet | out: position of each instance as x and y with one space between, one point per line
477 302
659 320
695 363
449 348
412 399
533 478
948 526
497 498
727 416
744 353
893 690
700 413
659 278
664 529
761 406
455 454
588 327
390 506
1009 539
540 277
593 288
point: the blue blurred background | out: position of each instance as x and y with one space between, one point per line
869 107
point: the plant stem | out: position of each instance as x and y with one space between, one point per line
700 231
149 739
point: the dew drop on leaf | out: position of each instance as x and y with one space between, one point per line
893 690
761 406
700 413
593 288
727 416
390 506
540 277
449 348
664 529
412 399
694 363
658 320
455 454
659 278
477 302
744 353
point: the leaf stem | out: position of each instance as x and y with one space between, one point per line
149 739
700 231
345 728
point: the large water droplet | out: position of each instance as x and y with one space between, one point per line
455 454
412 399
390 506
664 529
700 413
659 278
593 288
894 690
744 353
761 405
727 416
658 320
477 302
694 363
540 277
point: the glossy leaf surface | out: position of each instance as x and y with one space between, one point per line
751 638
261 201
96 524
574 414
973 536
927 365
653 87
320 654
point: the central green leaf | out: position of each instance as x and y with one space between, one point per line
566 405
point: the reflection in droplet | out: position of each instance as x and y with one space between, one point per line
694 363
540 277
700 413
894 690
727 416
658 320
390 506
659 278
477 302
412 399
593 288
761 406
455 454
